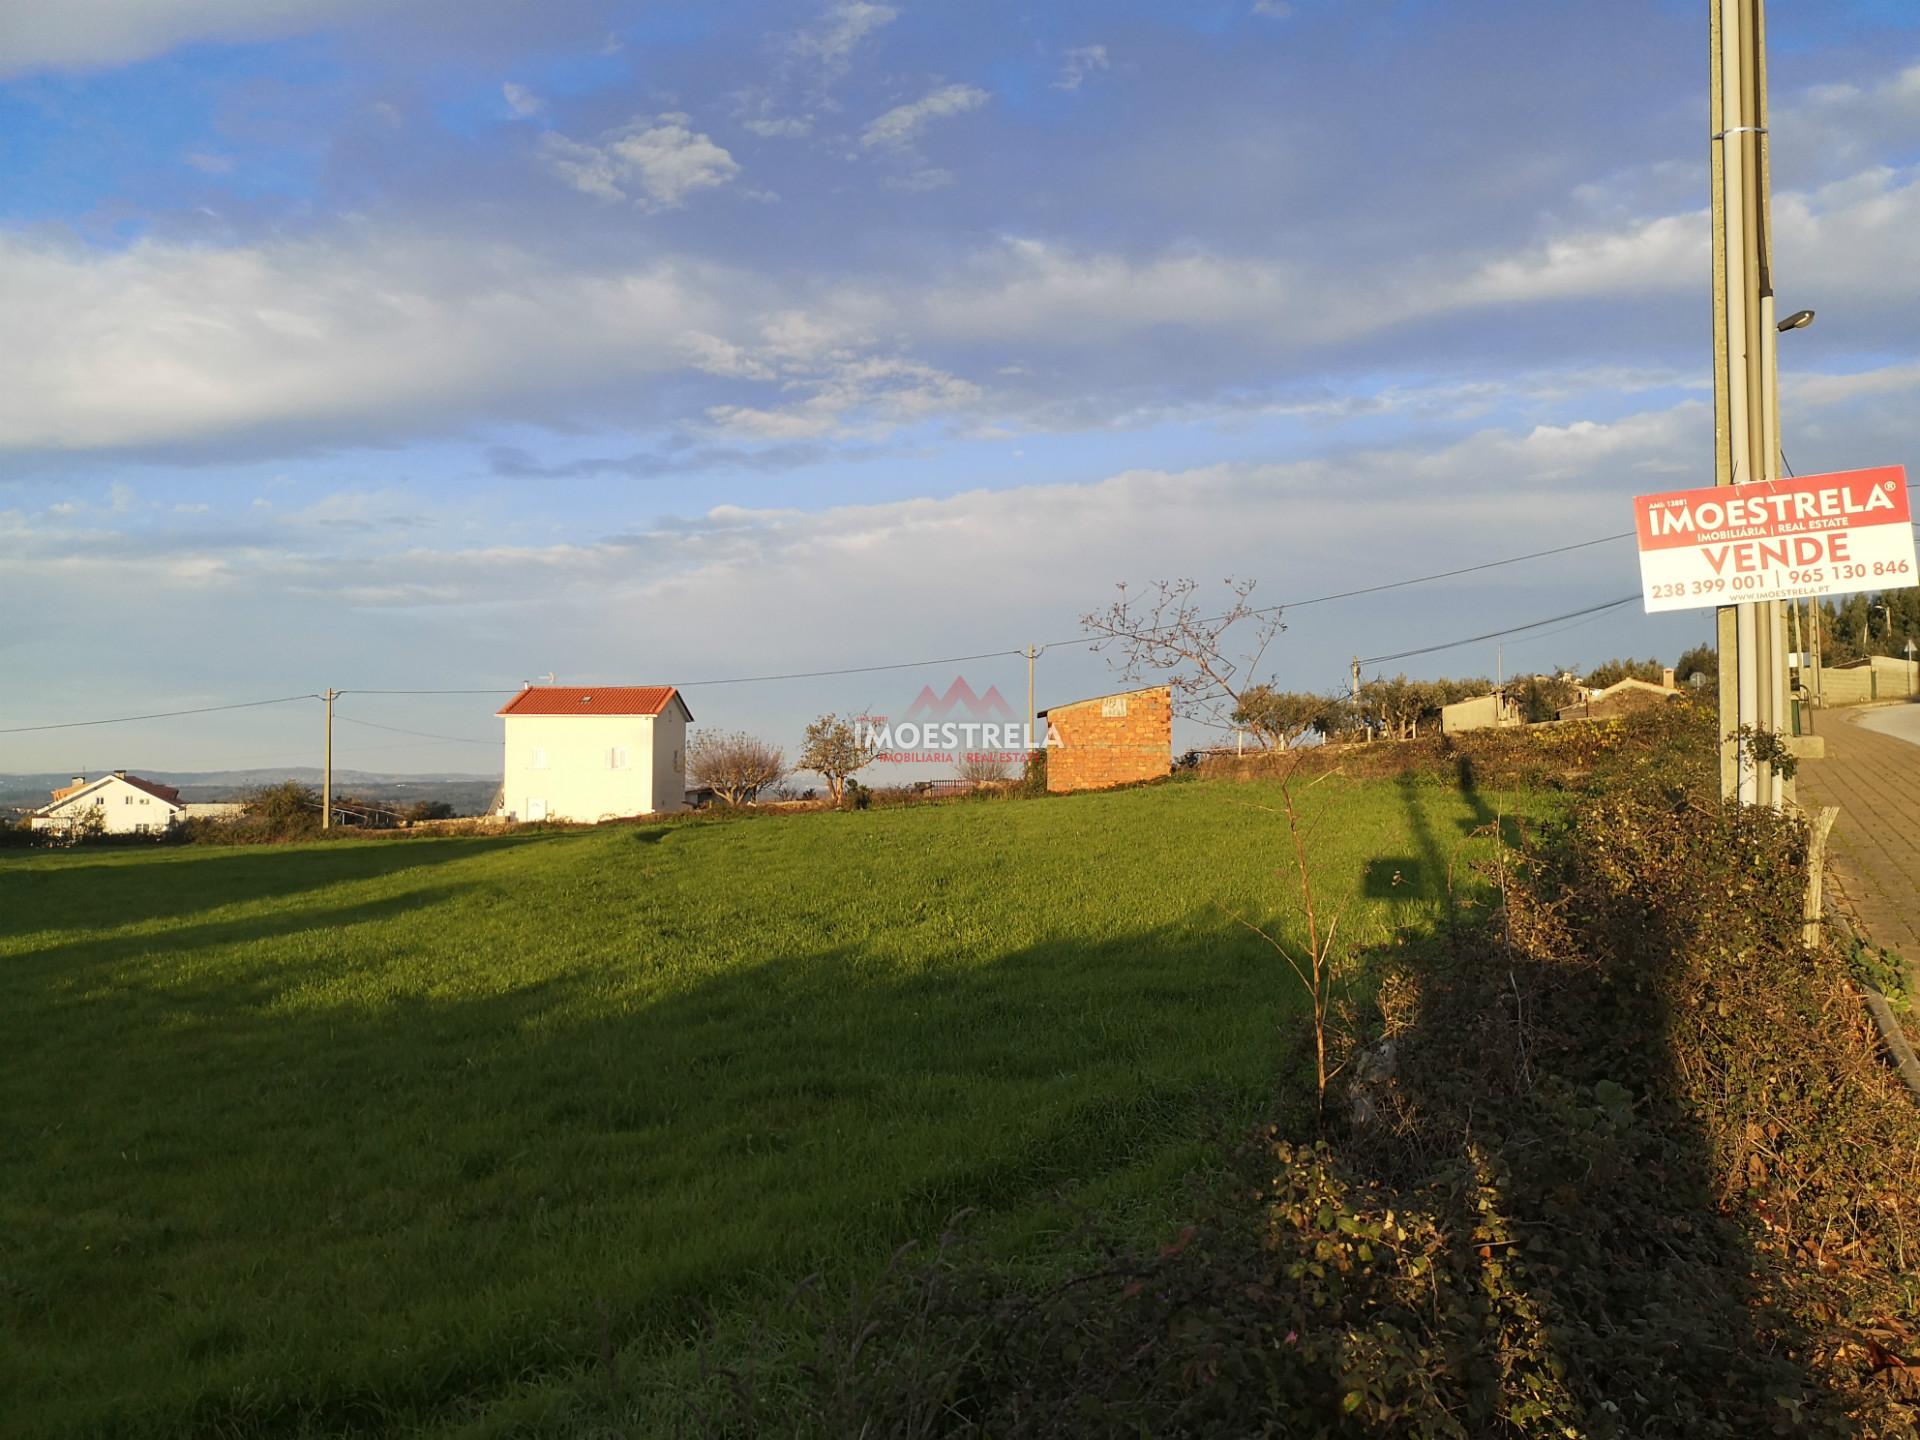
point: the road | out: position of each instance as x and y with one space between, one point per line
1872 772
1900 721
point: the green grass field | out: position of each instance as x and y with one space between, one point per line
400 1136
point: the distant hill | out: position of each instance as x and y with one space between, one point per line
467 794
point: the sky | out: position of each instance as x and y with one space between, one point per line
448 344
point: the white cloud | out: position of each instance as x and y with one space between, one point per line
164 343
656 162
521 101
367 333
1273 9
1080 62
900 127
1669 253
208 162
917 182
780 127
40 34
830 41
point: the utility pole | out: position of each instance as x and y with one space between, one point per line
1817 612
1751 636
326 771
1032 652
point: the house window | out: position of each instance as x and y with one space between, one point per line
617 757
679 761
1113 707
538 759
127 800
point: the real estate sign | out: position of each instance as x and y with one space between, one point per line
1776 540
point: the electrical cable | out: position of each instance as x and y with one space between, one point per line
157 715
423 734
1496 634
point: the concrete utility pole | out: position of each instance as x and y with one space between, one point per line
1032 652
326 770
1817 612
1751 637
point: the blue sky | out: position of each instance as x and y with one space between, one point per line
443 345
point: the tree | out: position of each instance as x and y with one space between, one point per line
836 748
286 808
1612 672
1286 715
1542 697
1702 660
1210 660
734 765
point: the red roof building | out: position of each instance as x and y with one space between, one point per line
593 700
586 753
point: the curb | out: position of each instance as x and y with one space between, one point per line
1892 1035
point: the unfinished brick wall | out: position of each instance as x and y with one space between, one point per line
1111 740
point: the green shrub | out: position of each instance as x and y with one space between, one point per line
1033 776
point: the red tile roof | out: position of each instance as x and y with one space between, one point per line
591 700
152 787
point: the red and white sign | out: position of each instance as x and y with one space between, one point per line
1776 540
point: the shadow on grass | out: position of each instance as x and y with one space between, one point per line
63 891
456 1195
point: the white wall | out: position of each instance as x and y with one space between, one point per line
124 809
670 759
579 779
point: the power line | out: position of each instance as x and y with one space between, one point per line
423 734
1398 584
850 670
1496 634
157 715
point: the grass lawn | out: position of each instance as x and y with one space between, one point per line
394 1135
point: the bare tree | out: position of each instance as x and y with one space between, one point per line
734 765
837 748
983 769
1316 959
1210 660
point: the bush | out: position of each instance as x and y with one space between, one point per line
1033 777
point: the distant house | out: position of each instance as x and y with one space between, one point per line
1110 739
1622 697
125 804
591 752
1481 712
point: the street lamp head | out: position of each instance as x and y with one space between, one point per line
1799 320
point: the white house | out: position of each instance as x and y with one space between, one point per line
594 752
126 805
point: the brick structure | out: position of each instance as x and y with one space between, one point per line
1110 739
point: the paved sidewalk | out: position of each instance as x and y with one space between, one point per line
1875 780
